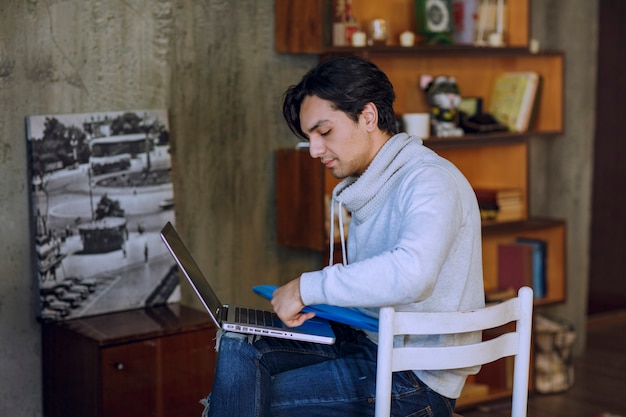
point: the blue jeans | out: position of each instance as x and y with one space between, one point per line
276 377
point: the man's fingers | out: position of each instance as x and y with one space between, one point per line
299 319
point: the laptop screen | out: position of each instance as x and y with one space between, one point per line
191 270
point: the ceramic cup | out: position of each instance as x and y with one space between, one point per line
407 38
359 39
417 124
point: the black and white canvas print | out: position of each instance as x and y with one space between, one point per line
101 192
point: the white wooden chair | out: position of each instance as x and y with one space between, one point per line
514 343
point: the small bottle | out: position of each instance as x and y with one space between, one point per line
339 23
351 25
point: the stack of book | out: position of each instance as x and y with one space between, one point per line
500 205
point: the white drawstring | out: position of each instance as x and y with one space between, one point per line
332 232
342 237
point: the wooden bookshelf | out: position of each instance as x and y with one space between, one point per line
488 161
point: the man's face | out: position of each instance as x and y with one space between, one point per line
342 145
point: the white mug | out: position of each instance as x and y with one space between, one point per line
359 38
407 38
417 124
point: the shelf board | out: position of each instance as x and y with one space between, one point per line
432 50
520 226
471 140
475 140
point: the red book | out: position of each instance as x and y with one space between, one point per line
515 265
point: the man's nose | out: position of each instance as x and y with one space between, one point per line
316 147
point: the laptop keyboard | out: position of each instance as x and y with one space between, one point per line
259 317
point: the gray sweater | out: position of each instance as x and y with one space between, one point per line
414 241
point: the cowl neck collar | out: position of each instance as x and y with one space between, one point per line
362 195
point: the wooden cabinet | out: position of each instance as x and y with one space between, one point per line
150 362
488 161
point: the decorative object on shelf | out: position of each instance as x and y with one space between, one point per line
481 123
351 26
465 14
444 97
378 32
344 23
513 99
407 38
435 21
534 46
339 23
473 120
471 105
491 23
101 188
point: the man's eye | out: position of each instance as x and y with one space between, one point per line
325 133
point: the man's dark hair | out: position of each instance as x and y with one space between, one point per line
349 83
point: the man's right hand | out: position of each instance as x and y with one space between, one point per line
288 304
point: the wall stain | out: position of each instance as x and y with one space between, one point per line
6 149
7 65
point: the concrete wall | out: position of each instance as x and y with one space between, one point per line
212 64
561 168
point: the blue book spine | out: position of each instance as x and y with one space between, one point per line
539 265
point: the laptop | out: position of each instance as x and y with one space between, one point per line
240 319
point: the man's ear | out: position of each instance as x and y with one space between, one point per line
370 116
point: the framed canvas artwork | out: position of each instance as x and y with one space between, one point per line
101 191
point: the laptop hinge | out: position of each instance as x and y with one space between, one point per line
222 313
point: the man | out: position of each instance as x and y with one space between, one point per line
413 241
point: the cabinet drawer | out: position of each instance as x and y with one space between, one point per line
161 377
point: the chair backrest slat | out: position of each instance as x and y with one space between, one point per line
455 321
453 357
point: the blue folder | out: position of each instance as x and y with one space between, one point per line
345 315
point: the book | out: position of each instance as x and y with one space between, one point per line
515 265
506 204
513 99
539 265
